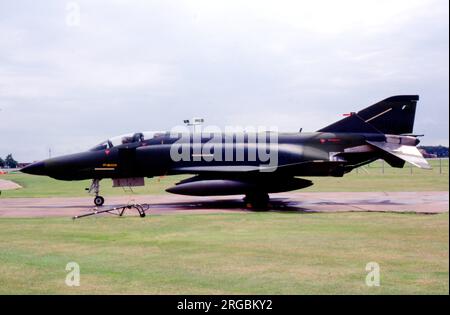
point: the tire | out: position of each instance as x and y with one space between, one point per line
99 201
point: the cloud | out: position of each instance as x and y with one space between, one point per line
144 65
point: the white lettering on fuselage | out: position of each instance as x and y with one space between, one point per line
212 145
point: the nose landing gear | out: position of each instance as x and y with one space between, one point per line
95 188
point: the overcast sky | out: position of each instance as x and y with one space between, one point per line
69 81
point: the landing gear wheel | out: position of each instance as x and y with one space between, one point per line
99 201
142 214
257 201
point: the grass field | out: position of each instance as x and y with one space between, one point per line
368 178
263 253
233 253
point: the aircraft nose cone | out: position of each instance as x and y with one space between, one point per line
37 168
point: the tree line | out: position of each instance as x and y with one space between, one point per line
8 162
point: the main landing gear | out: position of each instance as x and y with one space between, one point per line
95 188
258 201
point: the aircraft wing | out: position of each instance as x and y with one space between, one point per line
407 153
217 169
316 167
229 168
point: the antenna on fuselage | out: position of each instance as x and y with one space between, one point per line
195 123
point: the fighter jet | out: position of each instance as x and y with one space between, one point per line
253 164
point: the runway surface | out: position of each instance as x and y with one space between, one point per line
303 202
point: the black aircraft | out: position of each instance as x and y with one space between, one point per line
239 162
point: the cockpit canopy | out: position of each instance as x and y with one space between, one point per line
128 138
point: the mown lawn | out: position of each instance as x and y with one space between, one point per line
262 253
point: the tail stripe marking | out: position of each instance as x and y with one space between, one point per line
387 110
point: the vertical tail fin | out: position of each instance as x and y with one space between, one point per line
394 115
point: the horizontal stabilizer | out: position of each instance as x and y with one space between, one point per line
407 153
